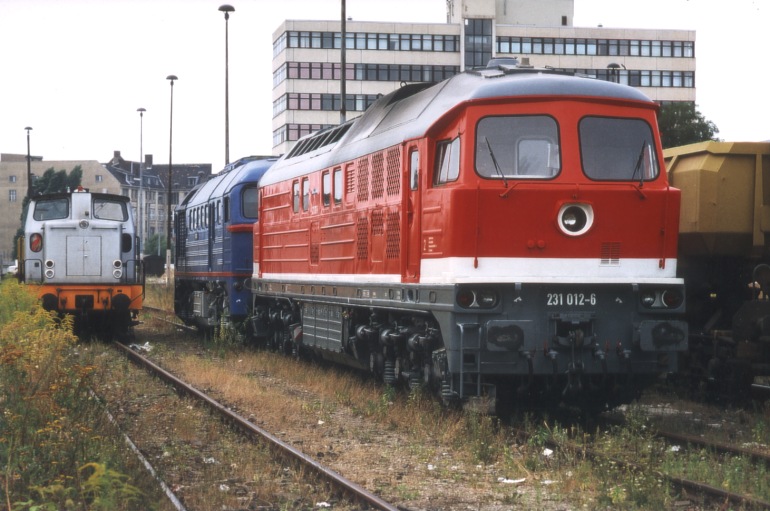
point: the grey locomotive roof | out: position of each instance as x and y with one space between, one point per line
245 170
410 112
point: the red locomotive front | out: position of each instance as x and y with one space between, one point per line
504 230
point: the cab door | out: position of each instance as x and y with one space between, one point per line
413 162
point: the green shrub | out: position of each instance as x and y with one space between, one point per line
50 433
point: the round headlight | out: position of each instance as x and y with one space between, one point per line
648 298
117 263
575 219
117 273
83 224
672 298
49 273
49 263
465 298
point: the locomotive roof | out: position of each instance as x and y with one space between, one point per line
245 170
66 195
411 111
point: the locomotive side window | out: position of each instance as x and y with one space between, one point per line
338 186
326 188
110 210
414 169
305 194
295 196
53 209
447 161
618 149
250 200
517 147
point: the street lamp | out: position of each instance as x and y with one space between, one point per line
227 9
29 166
171 79
141 178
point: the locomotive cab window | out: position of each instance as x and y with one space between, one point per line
250 198
447 161
517 147
618 149
295 196
110 210
53 209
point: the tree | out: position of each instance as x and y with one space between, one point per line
681 123
155 244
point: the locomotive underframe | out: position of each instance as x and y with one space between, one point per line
589 340
210 303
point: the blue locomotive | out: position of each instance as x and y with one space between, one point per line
214 240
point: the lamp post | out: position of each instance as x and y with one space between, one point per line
29 166
141 179
171 79
227 9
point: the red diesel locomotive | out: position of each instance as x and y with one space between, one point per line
509 232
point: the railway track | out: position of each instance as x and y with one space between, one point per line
720 449
710 496
719 496
344 485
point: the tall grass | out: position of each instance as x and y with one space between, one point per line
53 452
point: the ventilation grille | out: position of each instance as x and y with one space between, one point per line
392 249
376 176
362 239
610 254
363 179
378 223
394 171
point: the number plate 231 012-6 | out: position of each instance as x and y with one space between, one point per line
571 299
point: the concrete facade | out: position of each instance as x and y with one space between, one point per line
381 56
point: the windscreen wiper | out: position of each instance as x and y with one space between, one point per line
494 161
639 165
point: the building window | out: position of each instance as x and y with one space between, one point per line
11 195
11 179
569 46
358 72
325 102
99 178
367 41
478 42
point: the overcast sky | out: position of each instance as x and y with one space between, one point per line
77 70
